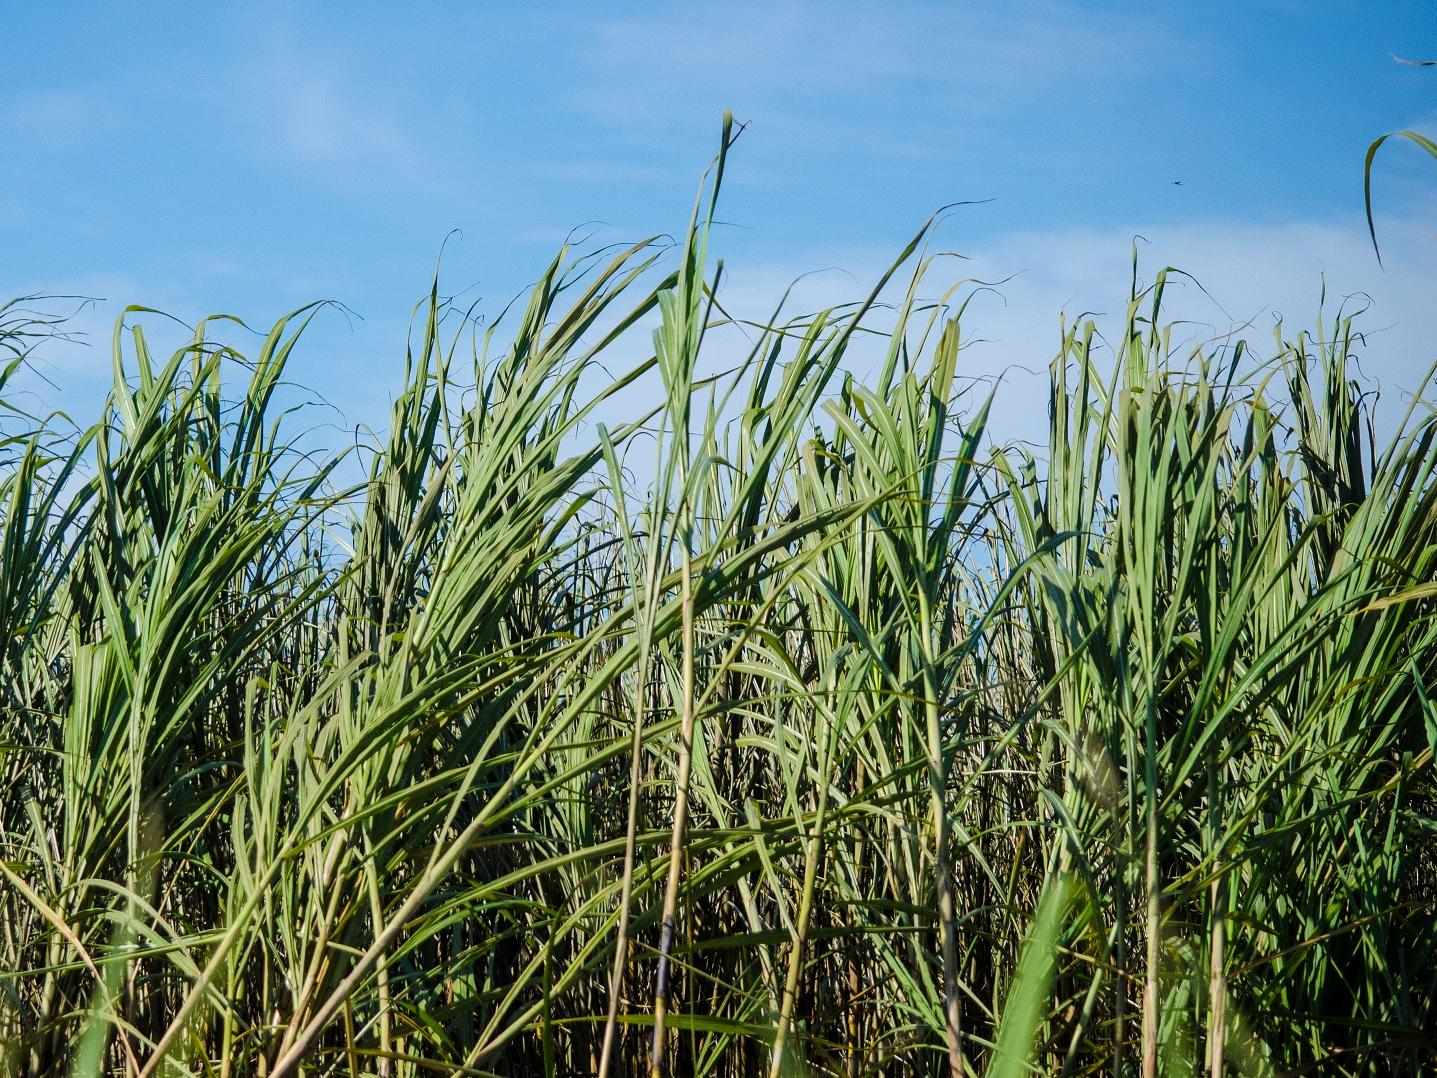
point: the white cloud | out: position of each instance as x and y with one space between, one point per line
1250 276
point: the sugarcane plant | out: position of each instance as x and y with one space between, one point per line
795 724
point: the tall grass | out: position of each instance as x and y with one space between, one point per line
844 741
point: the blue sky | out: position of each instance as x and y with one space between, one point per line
248 159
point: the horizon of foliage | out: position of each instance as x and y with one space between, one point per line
850 742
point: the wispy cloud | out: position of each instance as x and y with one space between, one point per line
813 55
61 118
326 122
592 170
322 110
